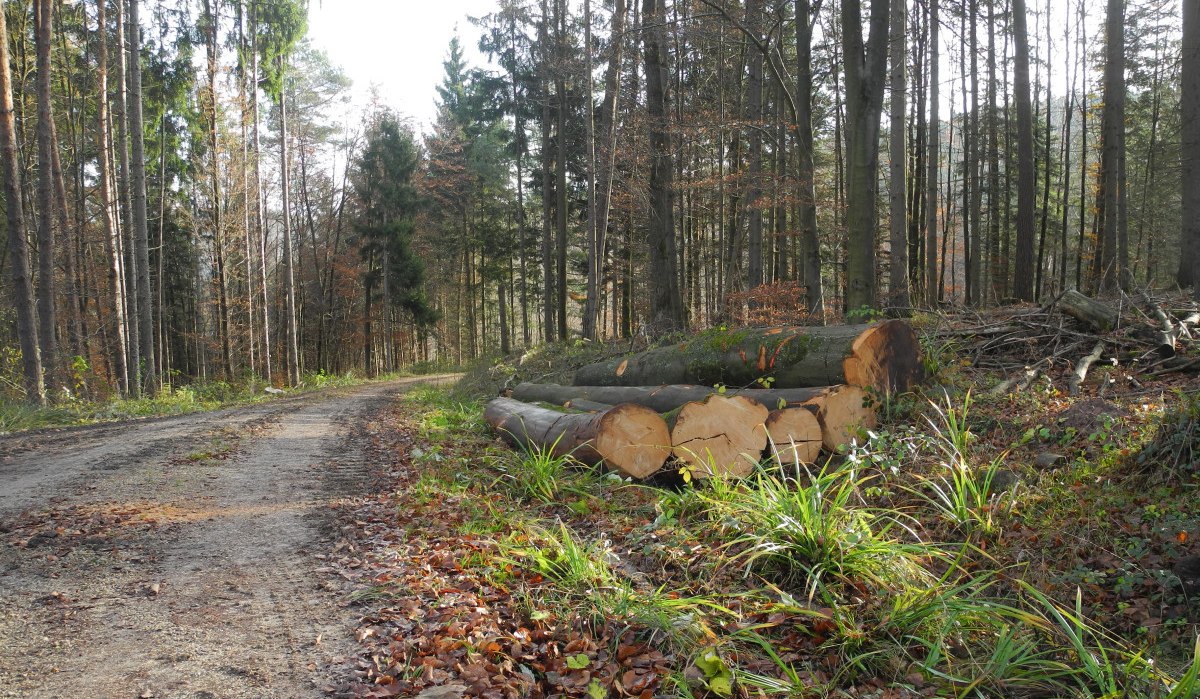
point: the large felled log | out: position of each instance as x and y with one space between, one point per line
842 411
1097 314
883 355
663 399
631 439
722 435
795 436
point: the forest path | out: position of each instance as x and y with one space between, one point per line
179 557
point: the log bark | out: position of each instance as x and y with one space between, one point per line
885 356
631 439
795 436
1086 310
662 399
721 436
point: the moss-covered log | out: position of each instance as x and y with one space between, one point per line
631 439
883 355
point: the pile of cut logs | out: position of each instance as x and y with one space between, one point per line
816 387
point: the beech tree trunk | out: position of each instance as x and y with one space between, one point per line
865 66
631 439
667 313
885 356
18 255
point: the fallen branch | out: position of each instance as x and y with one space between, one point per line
1075 381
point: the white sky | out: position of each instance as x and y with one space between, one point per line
397 45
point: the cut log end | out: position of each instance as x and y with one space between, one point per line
633 439
795 436
843 413
887 357
721 436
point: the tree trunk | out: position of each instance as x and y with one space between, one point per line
45 194
141 234
18 255
810 248
667 313
548 290
865 68
592 302
116 272
630 439
933 288
560 167
898 266
1189 102
884 355
1023 264
289 276
1112 263
754 119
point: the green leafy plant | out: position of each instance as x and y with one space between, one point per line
963 494
813 529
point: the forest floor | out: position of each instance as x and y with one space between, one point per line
182 556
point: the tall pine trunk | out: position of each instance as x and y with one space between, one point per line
47 331
141 245
289 275
18 255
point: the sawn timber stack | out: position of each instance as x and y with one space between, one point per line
885 356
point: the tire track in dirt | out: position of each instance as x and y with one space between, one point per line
201 580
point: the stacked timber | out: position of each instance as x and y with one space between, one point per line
821 397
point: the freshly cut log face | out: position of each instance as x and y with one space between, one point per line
663 399
795 436
631 439
723 435
883 355
842 412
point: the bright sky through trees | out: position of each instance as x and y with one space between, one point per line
397 45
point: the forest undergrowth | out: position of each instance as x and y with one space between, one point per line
1029 544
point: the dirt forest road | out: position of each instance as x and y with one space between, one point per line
180 557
